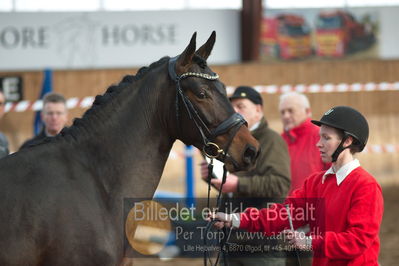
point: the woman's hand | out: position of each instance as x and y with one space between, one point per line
298 239
221 219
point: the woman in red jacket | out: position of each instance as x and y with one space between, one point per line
343 205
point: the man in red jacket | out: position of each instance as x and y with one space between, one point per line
343 205
301 137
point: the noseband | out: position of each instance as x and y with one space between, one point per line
233 123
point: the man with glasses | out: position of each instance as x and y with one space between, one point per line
54 115
3 140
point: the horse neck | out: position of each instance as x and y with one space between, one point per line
132 141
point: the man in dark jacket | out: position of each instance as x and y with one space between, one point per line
268 181
54 115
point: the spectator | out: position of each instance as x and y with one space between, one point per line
301 137
54 115
343 205
3 139
268 181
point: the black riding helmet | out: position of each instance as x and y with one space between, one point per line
351 122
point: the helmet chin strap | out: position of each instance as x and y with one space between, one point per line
340 148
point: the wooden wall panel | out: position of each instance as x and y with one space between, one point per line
337 71
381 108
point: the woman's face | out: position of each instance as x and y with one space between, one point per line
328 143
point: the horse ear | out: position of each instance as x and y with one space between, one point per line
187 56
205 50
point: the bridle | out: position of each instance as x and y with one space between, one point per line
232 124
210 148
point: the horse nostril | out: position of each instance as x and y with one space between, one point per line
250 154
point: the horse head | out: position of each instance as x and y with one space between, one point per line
204 116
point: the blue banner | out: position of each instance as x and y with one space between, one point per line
46 88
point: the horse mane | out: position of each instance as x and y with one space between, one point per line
102 100
113 90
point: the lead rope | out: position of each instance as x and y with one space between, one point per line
210 169
287 207
226 235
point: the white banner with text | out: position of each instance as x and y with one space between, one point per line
75 40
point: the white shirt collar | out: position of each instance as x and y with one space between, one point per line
255 126
342 172
47 134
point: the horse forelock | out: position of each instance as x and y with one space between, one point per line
199 61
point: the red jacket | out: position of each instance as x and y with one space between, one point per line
305 156
344 220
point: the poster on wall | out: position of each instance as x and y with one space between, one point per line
12 88
318 34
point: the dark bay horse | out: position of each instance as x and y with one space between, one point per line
61 201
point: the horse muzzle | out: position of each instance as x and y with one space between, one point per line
250 155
